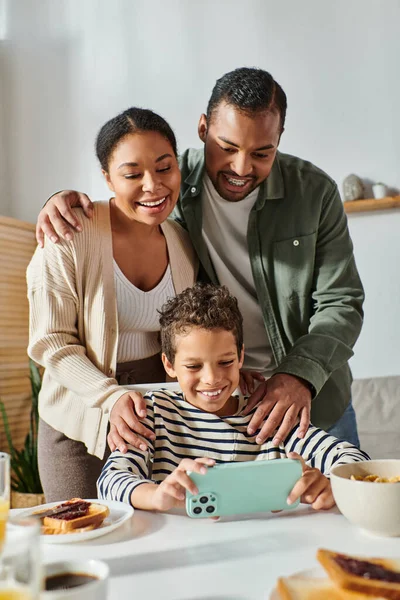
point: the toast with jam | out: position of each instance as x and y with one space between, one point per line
310 588
73 516
379 577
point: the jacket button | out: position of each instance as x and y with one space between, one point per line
193 190
296 242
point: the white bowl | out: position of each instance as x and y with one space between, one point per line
375 507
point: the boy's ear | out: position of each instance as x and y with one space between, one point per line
168 366
241 357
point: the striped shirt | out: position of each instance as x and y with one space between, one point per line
184 431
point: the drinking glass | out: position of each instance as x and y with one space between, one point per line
4 494
20 569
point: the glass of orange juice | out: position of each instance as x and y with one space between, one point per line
20 569
4 494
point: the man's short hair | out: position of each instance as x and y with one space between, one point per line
250 90
203 306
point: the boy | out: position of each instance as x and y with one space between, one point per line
202 346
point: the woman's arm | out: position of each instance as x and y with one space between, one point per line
54 277
54 342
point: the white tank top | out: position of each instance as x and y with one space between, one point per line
138 319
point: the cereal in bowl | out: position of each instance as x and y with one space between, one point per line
375 478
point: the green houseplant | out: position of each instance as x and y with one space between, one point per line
25 481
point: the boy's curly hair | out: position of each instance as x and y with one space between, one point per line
205 306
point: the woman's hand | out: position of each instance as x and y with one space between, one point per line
171 492
247 381
56 219
124 422
312 487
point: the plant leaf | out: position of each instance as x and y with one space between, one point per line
25 471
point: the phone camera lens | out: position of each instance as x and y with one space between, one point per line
204 499
197 510
210 509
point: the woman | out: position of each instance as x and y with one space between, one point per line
94 300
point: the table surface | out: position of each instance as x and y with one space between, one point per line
173 557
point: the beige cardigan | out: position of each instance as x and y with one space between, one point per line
74 324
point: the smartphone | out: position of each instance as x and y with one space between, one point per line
243 487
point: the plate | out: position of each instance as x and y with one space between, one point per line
119 514
315 572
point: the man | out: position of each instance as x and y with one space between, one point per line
272 228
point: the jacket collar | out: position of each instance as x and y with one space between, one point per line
273 187
195 177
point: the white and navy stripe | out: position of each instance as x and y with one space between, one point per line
184 431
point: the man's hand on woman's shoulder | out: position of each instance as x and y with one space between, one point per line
56 219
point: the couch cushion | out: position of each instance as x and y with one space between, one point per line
377 405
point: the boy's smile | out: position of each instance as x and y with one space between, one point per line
207 367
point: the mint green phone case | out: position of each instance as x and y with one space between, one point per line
243 487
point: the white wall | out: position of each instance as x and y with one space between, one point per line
68 66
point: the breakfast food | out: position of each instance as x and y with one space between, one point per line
312 588
73 516
350 578
379 577
375 478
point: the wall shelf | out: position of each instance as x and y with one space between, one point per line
372 204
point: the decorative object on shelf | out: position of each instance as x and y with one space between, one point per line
353 188
26 489
380 190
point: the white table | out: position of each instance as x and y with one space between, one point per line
173 557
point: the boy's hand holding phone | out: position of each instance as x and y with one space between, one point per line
312 488
238 487
171 492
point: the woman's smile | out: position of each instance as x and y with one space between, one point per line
156 205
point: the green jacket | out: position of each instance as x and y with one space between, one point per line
304 271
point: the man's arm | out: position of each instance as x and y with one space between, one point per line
337 299
57 221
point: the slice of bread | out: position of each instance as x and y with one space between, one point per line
379 577
60 519
308 588
49 531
